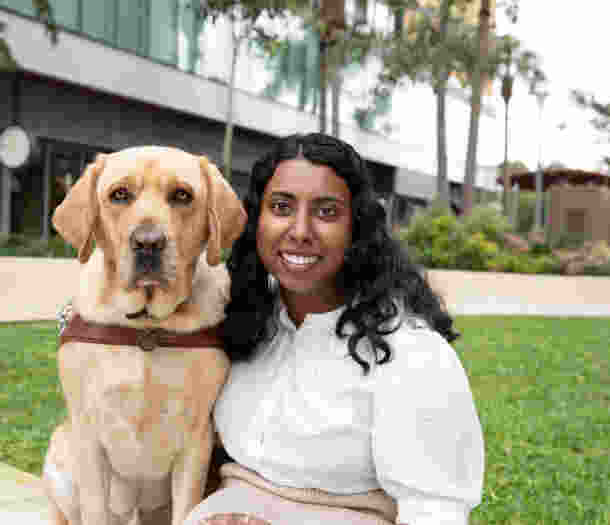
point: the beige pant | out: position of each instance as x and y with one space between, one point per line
244 492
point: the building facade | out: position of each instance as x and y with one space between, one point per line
154 72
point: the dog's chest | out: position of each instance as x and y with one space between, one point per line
145 406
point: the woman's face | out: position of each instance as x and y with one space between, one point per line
304 230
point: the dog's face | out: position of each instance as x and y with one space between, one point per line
152 211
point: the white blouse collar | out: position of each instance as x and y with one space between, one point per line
319 321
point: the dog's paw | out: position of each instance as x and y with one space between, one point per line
233 518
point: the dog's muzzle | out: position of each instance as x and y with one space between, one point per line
147 243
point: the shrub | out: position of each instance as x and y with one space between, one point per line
538 248
525 214
23 246
432 238
570 241
508 262
489 221
602 270
476 252
438 239
524 263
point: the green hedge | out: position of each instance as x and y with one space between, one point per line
24 246
436 238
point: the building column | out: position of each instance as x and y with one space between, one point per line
5 205
46 191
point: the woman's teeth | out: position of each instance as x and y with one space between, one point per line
299 259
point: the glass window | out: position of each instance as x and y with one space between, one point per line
99 19
187 35
163 30
66 13
132 26
21 6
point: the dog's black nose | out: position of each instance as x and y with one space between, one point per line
147 239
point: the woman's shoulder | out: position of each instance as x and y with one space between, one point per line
417 346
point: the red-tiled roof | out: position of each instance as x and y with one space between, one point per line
527 179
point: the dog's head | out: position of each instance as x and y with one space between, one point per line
152 211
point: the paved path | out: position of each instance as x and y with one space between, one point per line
34 289
22 500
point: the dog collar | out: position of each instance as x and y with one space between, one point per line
147 339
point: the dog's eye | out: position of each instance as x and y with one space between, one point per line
181 196
120 196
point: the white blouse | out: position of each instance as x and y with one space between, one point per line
302 414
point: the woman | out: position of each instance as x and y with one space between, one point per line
345 402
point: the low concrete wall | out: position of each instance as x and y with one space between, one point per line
35 288
489 293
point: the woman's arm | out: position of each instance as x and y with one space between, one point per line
427 441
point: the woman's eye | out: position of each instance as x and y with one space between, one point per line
181 197
327 211
121 196
280 208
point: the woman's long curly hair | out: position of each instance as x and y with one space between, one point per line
376 274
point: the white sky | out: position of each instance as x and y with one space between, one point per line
573 40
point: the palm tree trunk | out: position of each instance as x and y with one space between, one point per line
227 156
332 14
336 100
478 78
323 85
442 183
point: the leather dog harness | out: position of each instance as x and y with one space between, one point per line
77 329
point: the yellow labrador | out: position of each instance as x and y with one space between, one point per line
149 224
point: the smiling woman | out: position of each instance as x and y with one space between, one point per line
303 234
345 402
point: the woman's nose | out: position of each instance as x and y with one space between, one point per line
301 228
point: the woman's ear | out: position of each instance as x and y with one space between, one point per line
75 217
226 215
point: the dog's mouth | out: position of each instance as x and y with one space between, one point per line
148 282
148 271
142 314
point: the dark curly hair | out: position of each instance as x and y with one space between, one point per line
377 272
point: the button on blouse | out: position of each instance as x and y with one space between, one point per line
303 414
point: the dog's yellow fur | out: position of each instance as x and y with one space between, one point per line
139 432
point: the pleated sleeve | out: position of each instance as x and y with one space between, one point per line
427 441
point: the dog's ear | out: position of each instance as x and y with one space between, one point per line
75 217
226 215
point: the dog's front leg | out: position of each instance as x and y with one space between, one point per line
189 475
93 479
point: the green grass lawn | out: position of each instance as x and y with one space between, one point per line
542 388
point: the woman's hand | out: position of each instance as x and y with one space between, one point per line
233 518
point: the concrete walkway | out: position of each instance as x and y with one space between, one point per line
34 289
22 499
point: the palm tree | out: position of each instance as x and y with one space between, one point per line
435 45
478 78
330 27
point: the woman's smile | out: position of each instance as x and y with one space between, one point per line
299 262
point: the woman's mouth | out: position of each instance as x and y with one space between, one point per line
299 262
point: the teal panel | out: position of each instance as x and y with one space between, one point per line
66 13
132 26
24 7
163 33
99 19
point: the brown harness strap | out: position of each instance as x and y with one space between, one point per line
77 329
